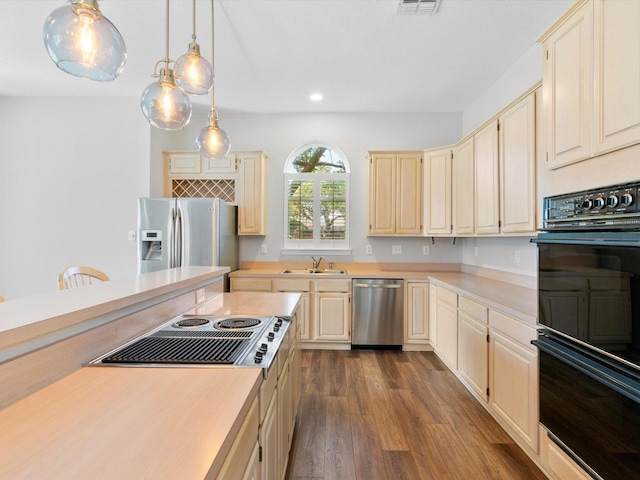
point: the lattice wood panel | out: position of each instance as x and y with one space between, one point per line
220 188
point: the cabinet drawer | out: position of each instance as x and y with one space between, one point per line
332 285
473 309
516 330
251 284
447 296
290 285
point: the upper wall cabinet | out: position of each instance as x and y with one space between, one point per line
487 203
592 80
239 179
395 193
463 188
437 192
517 150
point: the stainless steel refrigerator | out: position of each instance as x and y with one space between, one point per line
177 232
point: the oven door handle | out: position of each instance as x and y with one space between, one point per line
589 364
582 241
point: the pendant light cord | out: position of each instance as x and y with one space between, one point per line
166 57
194 21
213 54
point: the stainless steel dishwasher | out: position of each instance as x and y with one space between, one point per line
377 315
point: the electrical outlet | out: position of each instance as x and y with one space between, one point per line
368 250
132 235
200 295
517 256
425 250
263 248
396 250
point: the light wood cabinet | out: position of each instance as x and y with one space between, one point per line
416 326
517 150
567 88
268 438
437 192
433 313
464 188
591 80
332 316
240 461
284 406
447 327
486 204
238 179
513 377
395 193
252 193
558 463
473 345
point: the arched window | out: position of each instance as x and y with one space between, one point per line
317 199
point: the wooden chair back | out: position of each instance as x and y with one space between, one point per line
79 276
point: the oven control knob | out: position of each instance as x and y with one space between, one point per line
263 348
276 327
258 357
598 203
271 336
612 201
626 199
587 204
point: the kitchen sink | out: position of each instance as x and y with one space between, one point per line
311 271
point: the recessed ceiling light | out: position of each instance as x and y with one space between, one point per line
316 97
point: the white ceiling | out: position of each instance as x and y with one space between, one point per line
272 54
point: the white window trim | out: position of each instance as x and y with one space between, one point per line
318 246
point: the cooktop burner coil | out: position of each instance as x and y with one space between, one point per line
191 322
237 323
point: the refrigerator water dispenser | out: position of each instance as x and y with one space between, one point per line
151 245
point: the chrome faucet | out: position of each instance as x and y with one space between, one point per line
316 263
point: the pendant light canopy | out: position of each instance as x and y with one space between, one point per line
197 73
164 103
83 42
212 141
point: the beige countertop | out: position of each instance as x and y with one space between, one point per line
127 424
124 423
515 300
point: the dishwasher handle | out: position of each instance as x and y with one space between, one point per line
366 285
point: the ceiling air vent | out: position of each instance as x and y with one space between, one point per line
417 7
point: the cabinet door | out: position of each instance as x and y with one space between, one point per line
184 163
253 467
447 346
251 198
433 312
617 74
417 313
437 186
473 353
487 213
226 164
284 406
463 188
269 441
513 381
332 319
567 89
382 194
518 167
409 194
304 317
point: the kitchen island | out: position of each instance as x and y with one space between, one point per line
64 420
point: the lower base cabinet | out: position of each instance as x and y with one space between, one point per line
513 377
557 463
447 327
416 320
473 352
241 462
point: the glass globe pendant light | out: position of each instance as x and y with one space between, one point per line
83 42
197 74
164 103
212 141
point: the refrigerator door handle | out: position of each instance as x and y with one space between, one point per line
179 239
172 236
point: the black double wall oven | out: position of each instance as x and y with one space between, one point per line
589 319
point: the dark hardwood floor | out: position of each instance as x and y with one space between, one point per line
383 414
